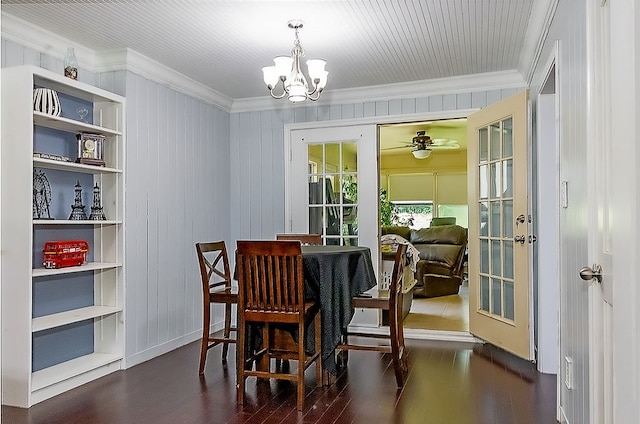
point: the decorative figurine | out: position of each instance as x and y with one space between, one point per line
96 210
41 195
71 64
64 253
77 209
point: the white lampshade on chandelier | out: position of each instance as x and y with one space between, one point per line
287 71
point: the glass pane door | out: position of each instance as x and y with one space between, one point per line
499 238
495 168
333 192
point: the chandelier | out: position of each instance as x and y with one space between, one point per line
287 71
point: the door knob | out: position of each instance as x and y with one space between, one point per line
588 274
519 239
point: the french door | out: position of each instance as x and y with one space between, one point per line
332 185
499 222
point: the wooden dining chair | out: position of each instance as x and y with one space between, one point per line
390 301
272 296
216 288
308 239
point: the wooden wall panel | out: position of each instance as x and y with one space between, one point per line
568 29
177 194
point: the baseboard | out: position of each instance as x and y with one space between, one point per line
161 349
420 334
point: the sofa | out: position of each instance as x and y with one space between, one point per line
442 250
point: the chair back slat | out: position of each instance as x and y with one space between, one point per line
214 265
270 276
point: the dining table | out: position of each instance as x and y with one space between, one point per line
333 276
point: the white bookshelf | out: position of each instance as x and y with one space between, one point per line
37 301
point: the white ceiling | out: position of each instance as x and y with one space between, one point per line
224 43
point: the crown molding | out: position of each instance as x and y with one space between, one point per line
43 41
448 85
28 35
112 60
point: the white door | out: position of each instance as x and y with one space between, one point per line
499 222
599 185
332 185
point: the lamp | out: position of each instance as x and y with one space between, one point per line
287 71
421 154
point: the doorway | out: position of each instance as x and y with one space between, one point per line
423 175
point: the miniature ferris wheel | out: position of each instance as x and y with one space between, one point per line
41 195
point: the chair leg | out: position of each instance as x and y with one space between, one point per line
396 349
227 331
401 348
206 322
240 355
301 366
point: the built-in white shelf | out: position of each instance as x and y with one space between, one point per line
89 266
25 282
75 222
69 125
69 317
73 167
69 369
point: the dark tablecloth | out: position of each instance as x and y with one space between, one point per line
336 274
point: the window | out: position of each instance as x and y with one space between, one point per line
460 212
413 214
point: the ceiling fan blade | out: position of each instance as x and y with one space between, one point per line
408 146
445 143
444 146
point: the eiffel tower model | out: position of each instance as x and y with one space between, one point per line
97 213
77 209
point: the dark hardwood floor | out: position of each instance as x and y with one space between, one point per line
448 383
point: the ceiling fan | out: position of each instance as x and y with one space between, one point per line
423 145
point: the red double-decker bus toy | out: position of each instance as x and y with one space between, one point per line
60 254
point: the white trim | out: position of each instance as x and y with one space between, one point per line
388 119
450 85
161 349
130 60
420 334
36 38
25 33
542 15
288 128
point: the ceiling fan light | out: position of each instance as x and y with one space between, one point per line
421 154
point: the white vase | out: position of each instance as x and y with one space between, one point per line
46 100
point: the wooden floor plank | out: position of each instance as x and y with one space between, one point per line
448 383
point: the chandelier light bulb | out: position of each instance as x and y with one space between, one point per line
286 70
